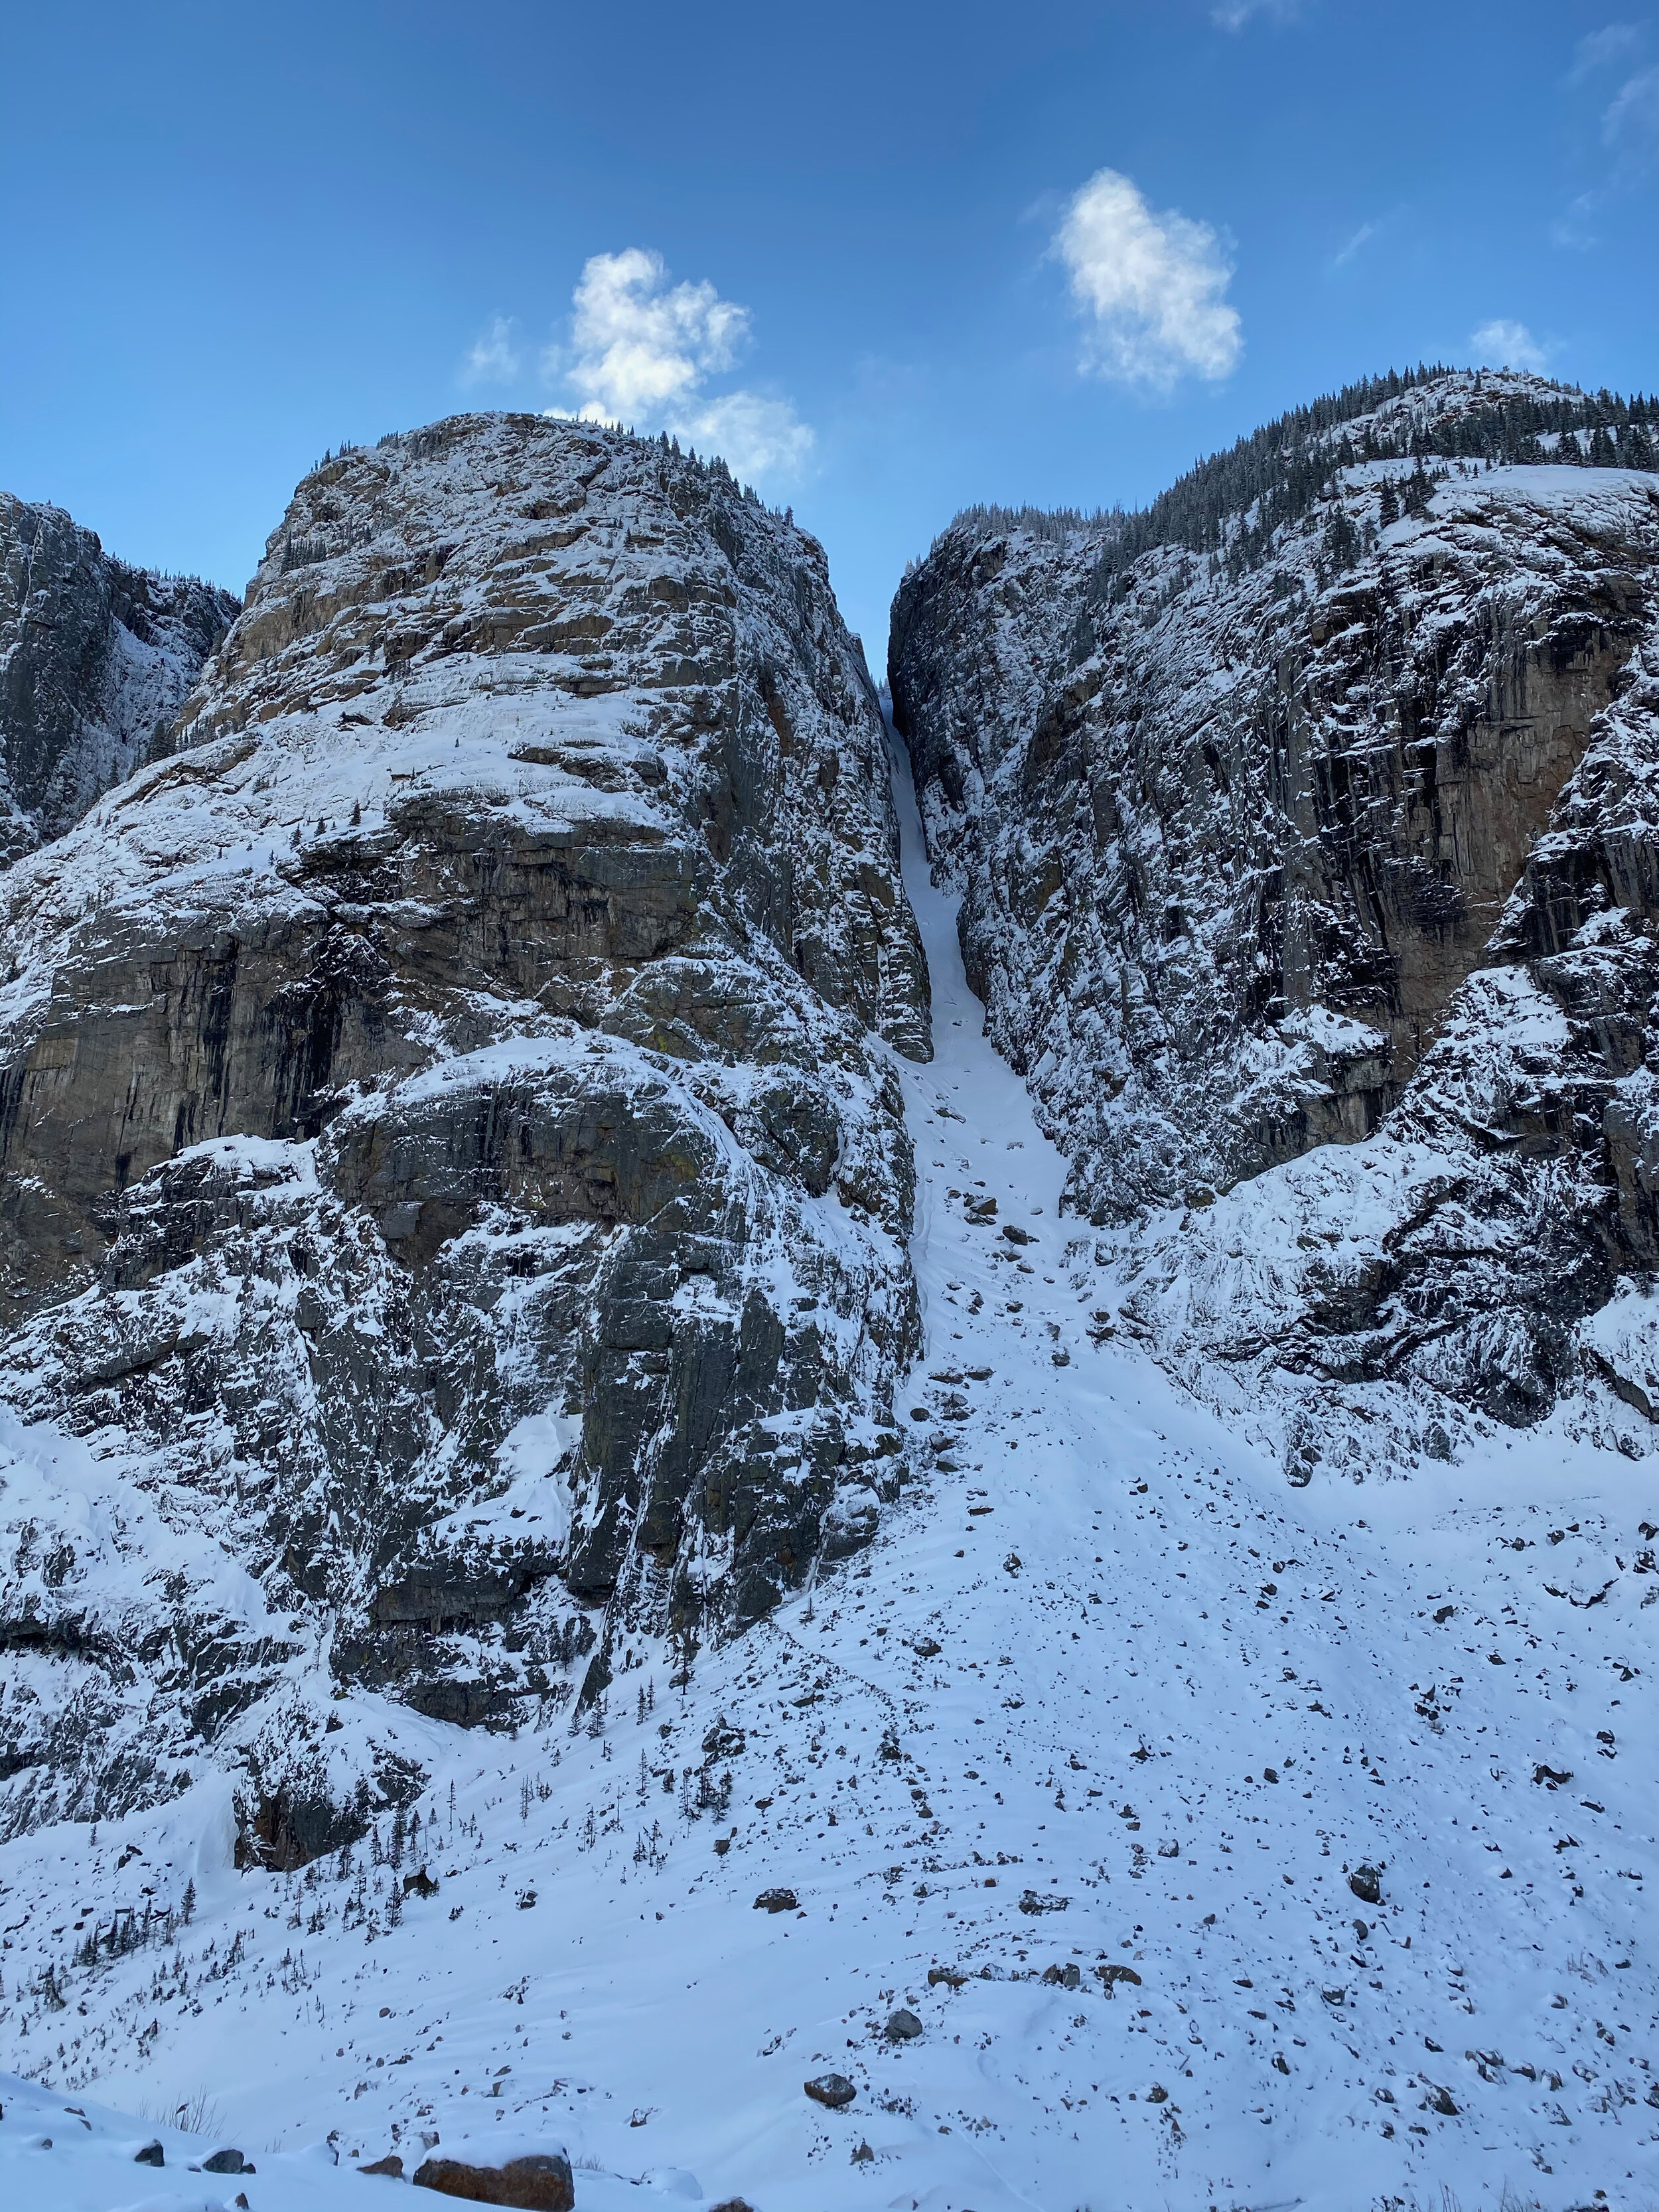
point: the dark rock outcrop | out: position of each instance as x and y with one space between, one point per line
95 659
452 1157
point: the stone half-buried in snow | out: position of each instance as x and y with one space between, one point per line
540 2181
527 1077
834 2090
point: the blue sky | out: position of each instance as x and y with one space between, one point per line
892 258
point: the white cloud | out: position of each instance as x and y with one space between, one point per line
757 437
494 356
1601 47
1633 116
1503 343
642 344
1363 236
1576 227
1234 14
1152 286
1630 129
641 351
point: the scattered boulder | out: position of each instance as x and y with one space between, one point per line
1030 1902
151 2154
541 2183
1114 1974
952 1977
1065 1977
904 2026
834 2090
1366 1883
420 1884
723 1741
777 1900
226 2162
391 2165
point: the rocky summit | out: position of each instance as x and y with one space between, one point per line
453 1164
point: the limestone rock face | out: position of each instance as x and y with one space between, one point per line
1328 822
454 1167
95 659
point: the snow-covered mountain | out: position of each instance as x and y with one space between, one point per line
1315 807
550 1598
95 657
456 1183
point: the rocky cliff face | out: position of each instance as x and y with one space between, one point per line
1326 814
453 1156
95 659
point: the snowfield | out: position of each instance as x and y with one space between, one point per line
1233 1845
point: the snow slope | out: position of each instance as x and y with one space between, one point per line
1101 1694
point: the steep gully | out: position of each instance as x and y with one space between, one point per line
983 1746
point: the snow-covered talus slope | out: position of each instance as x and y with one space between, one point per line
1101 1695
452 1076
1347 818
95 659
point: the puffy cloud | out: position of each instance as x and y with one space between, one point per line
494 356
642 344
641 351
1150 285
1502 343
